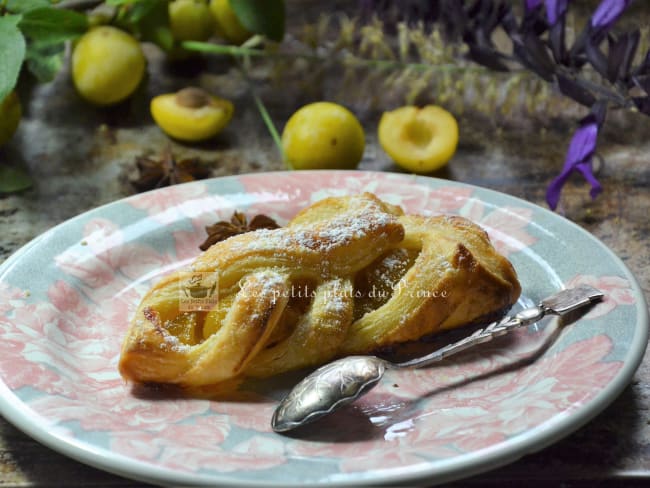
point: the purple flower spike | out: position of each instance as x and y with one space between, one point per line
608 12
555 9
533 4
579 157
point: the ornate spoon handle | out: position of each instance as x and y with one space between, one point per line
559 304
495 329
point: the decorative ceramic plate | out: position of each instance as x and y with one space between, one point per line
67 297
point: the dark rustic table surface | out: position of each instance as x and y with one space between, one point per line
81 157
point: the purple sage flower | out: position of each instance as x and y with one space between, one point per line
608 12
555 9
579 158
533 4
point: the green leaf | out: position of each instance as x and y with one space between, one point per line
134 11
261 16
13 180
160 35
21 6
148 19
154 26
117 3
45 61
53 25
12 53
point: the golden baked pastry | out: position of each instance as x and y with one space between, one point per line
347 275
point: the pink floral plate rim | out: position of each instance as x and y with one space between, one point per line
59 383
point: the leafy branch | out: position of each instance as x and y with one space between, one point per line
34 32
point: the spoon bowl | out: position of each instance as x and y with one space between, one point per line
327 389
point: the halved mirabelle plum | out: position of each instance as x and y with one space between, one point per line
420 140
191 114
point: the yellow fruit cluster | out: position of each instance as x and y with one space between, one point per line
108 65
325 135
192 114
198 20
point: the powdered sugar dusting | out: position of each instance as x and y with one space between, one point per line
272 285
270 282
391 268
173 343
335 299
337 232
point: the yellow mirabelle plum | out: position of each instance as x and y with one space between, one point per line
420 140
190 20
107 65
323 135
228 24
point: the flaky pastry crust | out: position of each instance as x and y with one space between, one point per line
347 275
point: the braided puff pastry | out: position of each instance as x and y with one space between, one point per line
347 275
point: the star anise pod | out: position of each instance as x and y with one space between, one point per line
165 171
238 224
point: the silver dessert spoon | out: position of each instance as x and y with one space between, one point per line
344 380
